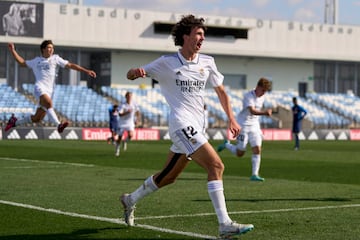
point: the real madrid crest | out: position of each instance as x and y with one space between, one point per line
193 140
202 72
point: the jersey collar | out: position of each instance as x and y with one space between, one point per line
184 61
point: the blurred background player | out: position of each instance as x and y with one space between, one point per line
113 122
249 120
129 113
45 69
298 115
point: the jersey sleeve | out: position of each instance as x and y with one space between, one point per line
60 61
154 68
215 77
31 63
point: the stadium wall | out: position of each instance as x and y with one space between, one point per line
285 51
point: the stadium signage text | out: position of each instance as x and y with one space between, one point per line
90 12
103 133
68 9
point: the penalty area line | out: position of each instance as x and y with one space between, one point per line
105 219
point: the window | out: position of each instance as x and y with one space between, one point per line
235 81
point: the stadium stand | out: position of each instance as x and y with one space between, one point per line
85 107
320 116
79 104
13 102
346 105
152 104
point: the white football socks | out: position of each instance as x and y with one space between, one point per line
255 161
216 193
52 116
231 148
145 189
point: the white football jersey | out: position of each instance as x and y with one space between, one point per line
245 118
45 70
128 121
183 85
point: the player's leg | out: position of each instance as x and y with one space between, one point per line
296 130
130 135
111 139
207 158
120 133
175 164
30 118
297 141
46 105
255 139
237 149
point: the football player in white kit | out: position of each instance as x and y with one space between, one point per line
251 133
129 113
45 68
182 77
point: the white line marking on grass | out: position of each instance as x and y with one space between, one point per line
49 162
252 212
105 219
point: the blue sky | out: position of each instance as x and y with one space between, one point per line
287 10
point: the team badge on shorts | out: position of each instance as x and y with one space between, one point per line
193 140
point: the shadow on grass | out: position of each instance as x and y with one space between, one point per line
76 235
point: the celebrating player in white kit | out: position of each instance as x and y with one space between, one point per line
45 68
129 113
182 77
251 133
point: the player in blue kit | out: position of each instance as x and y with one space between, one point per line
113 122
298 115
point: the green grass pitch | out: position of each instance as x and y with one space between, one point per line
64 190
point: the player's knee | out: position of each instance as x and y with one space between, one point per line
256 150
218 167
36 118
240 153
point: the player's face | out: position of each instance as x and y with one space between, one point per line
48 51
195 39
128 97
260 91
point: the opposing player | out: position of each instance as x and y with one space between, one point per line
251 133
182 77
113 123
298 115
45 69
129 113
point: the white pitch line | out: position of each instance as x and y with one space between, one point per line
105 219
252 212
49 162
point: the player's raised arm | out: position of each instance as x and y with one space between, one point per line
17 57
79 68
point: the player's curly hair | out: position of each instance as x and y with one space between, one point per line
45 43
184 26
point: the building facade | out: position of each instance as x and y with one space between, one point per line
294 55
